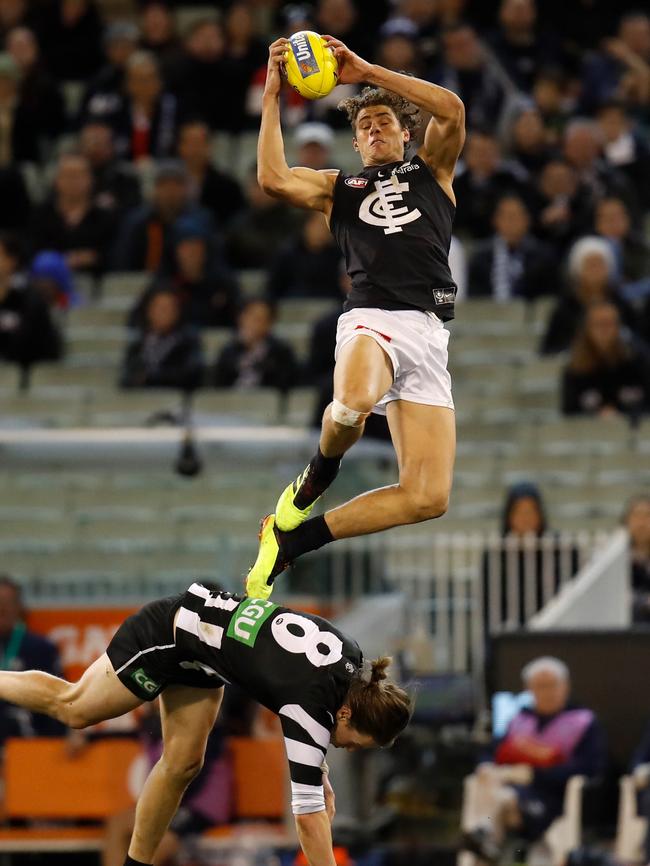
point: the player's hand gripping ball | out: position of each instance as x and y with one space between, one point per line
310 65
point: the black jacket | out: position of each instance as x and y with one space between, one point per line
539 275
270 365
27 331
174 360
623 387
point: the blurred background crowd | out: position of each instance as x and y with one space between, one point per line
116 129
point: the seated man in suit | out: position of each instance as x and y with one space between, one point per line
520 786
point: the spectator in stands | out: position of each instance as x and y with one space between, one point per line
399 49
217 192
166 353
15 213
116 186
40 99
636 520
530 147
146 238
72 31
519 44
202 72
520 787
21 650
27 331
245 54
103 93
467 69
622 69
314 146
483 181
605 376
631 250
640 769
145 117
13 13
582 148
625 147
307 266
256 233
592 277
207 291
551 98
513 264
158 34
562 206
256 358
19 136
520 573
51 277
70 222
340 18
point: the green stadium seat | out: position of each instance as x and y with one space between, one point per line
255 405
300 407
126 284
583 436
305 311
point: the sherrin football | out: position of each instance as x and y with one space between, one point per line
310 66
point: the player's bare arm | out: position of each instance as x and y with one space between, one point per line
302 187
315 837
445 133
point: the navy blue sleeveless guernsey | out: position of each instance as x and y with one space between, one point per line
393 224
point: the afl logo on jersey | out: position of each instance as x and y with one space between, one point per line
356 182
385 208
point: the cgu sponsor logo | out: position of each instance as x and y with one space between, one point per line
248 619
304 55
145 682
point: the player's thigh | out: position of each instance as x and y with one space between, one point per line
98 695
425 443
188 715
363 373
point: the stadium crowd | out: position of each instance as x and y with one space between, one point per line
553 188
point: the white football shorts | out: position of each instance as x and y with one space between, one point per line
416 343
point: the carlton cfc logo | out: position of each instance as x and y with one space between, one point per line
384 206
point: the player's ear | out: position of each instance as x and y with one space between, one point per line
344 713
355 143
406 135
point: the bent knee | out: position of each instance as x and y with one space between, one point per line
357 400
73 717
183 766
426 505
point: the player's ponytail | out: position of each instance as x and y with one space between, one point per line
378 706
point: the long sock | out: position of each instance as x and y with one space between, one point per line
131 862
320 474
310 535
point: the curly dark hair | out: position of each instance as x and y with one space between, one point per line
407 113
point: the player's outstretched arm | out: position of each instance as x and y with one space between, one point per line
315 837
302 187
445 132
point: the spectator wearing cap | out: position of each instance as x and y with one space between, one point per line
621 69
146 238
591 271
520 44
166 352
605 375
103 93
19 135
116 185
314 145
40 97
398 48
72 39
256 358
206 290
28 333
631 250
256 234
307 266
70 222
217 192
50 275
625 148
145 117
513 263
468 71
484 178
